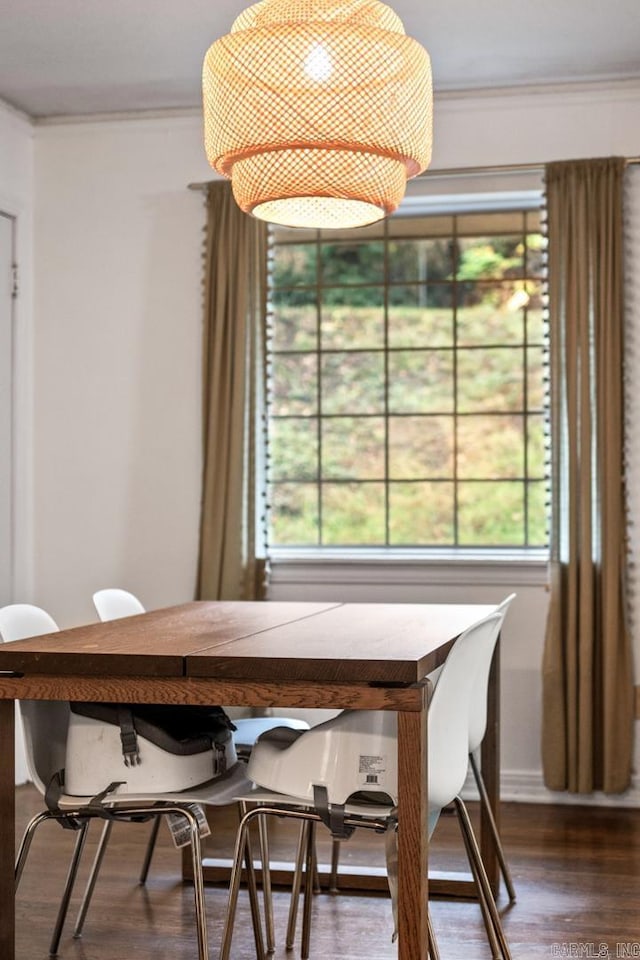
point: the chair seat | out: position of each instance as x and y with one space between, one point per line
218 792
375 811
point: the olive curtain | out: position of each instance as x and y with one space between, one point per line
587 669
231 555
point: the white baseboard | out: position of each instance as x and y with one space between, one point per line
527 786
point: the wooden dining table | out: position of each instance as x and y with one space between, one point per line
361 656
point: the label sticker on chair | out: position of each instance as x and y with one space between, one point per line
179 827
371 770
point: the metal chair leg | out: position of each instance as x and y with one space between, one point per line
295 889
196 858
196 853
484 888
242 851
310 818
266 884
25 843
252 889
494 946
335 860
68 889
198 881
263 840
93 876
497 842
151 845
23 852
309 872
432 943
234 889
302 849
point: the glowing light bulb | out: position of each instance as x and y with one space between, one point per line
317 64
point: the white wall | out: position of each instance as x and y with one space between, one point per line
117 340
117 362
16 198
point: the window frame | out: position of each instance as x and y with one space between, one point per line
523 563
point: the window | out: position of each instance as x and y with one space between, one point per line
406 384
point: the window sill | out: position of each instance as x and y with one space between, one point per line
421 567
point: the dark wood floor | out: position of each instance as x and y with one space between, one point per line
576 869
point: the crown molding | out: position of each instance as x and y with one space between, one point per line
16 115
601 88
117 117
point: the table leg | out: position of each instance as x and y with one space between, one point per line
412 836
7 829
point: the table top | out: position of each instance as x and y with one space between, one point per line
380 643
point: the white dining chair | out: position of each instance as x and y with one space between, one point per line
17 621
317 777
46 726
477 731
114 603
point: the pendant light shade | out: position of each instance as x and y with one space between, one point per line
318 110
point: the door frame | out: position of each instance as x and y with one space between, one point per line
5 215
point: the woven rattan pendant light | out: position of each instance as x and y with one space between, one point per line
318 110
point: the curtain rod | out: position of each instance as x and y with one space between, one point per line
468 171
497 168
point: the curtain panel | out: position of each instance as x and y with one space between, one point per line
587 720
231 554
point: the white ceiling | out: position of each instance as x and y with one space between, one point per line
62 57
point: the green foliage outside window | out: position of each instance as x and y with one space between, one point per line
407 390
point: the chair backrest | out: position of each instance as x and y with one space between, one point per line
357 750
478 706
21 620
450 707
113 603
45 722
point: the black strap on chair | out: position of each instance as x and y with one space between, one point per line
94 808
52 798
128 736
97 808
331 814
